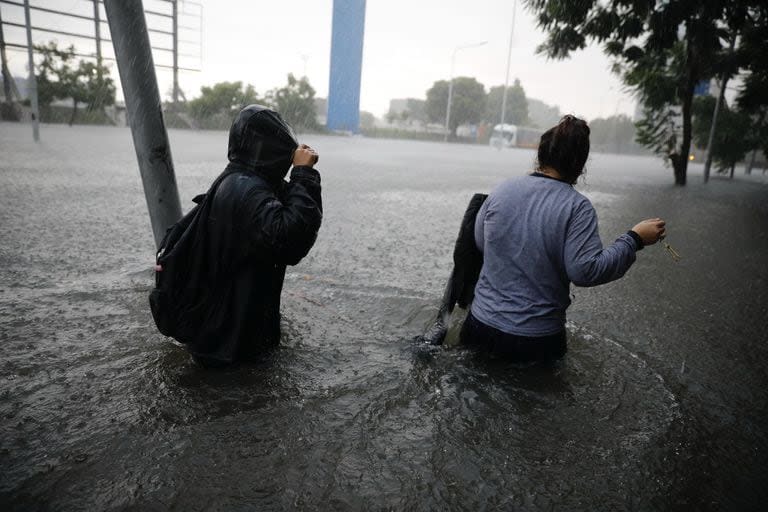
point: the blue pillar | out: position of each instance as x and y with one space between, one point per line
346 65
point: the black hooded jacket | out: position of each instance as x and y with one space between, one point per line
257 223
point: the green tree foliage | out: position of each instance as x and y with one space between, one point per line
221 99
614 134
753 95
296 103
92 86
660 48
96 86
60 77
731 140
54 73
516 109
467 103
218 104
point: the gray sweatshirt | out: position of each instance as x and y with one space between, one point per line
538 235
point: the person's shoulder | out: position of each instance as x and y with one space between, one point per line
239 186
245 180
580 198
581 204
509 184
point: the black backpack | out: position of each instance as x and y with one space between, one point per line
180 297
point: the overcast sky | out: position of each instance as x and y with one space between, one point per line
408 46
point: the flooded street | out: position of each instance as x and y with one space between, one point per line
660 403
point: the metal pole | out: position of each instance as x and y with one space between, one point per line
97 27
4 64
142 100
506 80
710 140
713 126
450 97
32 77
748 168
175 54
450 84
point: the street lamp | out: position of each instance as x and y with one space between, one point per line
509 58
450 84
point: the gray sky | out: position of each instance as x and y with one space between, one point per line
408 46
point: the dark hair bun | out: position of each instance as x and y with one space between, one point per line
565 148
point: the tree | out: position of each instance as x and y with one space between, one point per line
296 103
661 49
467 102
753 95
222 98
87 83
93 86
516 109
731 140
54 73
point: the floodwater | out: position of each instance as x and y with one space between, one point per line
660 403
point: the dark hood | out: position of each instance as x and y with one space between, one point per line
261 141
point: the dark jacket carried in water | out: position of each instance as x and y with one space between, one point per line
467 263
254 225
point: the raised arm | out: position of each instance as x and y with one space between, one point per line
587 263
284 229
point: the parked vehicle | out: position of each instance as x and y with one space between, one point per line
513 136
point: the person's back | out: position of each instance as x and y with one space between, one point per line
538 235
258 224
523 285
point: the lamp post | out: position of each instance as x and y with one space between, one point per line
506 80
450 84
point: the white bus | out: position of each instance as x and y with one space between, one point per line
513 136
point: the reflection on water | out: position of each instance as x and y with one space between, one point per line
343 413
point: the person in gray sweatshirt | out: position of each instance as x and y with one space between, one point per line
538 235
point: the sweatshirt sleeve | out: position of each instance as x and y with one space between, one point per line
587 263
286 229
480 226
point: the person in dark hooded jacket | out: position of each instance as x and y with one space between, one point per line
258 223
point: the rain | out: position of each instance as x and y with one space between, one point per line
413 108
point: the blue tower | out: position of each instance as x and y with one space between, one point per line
346 65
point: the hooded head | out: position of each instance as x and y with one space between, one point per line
260 140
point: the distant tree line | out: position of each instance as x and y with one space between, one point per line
471 104
218 103
87 84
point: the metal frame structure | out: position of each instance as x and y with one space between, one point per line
98 38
